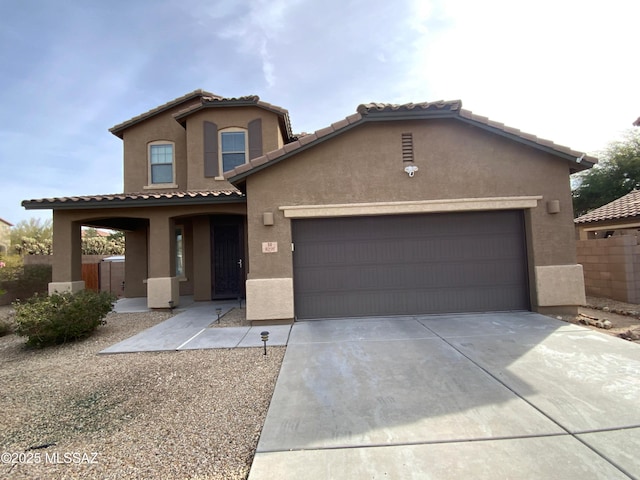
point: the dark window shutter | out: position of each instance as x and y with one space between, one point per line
210 149
255 138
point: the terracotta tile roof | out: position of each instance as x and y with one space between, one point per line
118 129
250 100
383 112
624 207
121 200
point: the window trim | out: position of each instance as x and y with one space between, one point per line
150 185
246 147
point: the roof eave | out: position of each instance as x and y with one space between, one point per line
285 122
578 163
130 203
118 130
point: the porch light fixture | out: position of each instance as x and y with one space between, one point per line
264 336
553 206
411 170
267 218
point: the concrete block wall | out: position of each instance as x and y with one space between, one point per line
611 267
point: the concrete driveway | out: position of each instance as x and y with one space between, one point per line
482 396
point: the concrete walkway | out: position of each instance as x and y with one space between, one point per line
482 396
189 329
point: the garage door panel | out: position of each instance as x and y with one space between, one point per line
429 249
395 277
403 302
408 264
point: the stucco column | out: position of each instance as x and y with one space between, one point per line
136 268
162 284
67 254
202 262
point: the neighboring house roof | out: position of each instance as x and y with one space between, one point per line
119 129
624 207
410 111
251 100
146 199
637 123
5 222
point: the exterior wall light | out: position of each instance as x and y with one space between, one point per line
264 336
553 206
411 170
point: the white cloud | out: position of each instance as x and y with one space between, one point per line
540 67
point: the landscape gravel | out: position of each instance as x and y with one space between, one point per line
66 412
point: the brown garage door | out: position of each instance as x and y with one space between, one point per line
410 264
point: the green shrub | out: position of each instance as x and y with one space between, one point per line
61 317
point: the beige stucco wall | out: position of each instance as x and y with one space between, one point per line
555 285
271 299
135 144
455 161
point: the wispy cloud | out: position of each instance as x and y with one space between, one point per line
254 30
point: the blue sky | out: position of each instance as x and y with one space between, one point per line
561 69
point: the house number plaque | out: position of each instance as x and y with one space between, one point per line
269 247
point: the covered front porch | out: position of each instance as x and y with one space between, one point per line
176 244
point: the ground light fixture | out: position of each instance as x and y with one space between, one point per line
264 336
170 302
218 313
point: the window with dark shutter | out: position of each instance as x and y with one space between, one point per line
210 149
255 138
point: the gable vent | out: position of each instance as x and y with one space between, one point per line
407 147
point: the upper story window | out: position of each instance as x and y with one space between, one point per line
162 164
227 148
233 148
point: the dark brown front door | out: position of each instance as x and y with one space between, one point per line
227 256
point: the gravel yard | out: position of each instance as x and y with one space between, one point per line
190 414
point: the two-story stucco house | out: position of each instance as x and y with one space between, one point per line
397 209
